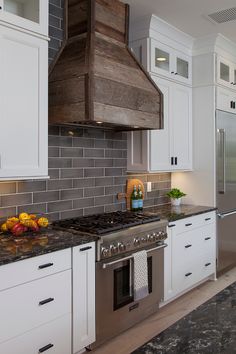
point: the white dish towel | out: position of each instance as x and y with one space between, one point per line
140 275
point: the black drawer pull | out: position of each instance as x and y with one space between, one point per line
43 302
207 264
85 248
176 161
172 160
188 274
49 346
46 265
190 224
207 238
207 219
188 246
172 225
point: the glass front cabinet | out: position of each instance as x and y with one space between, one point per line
226 72
170 62
26 14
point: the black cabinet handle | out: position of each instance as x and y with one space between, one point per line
0 7
172 225
46 301
207 264
85 248
49 346
207 219
176 161
172 161
231 104
176 74
188 274
190 224
231 83
172 72
46 265
207 238
188 246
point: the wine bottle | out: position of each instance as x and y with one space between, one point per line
134 200
140 198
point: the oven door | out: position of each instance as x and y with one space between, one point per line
116 309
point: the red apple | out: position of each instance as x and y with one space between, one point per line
18 229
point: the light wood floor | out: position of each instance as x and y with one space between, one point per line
169 314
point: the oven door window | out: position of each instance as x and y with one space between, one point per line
123 284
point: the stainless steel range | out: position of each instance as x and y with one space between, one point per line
121 234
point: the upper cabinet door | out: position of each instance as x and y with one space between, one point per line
183 68
181 127
27 14
226 73
23 105
170 63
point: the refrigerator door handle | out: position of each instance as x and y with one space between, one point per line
222 138
223 215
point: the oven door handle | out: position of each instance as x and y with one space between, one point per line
106 265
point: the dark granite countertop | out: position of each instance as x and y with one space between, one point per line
172 213
210 329
14 249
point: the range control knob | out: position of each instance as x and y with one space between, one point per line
105 252
162 235
121 247
136 242
143 240
113 249
150 238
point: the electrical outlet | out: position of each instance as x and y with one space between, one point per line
149 186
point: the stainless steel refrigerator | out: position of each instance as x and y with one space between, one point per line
226 189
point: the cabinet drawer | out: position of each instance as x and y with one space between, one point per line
208 266
56 336
192 222
34 268
30 305
185 278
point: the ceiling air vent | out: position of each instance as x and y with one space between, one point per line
223 15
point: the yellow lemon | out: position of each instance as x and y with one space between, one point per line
43 222
4 227
11 222
24 216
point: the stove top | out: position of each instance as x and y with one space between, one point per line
102 224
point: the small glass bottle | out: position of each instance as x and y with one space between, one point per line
134 200
140 198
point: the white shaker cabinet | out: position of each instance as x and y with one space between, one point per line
23 105
190 257
25 14
35 304
170 62
167 149
83 296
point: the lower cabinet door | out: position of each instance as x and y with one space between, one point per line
185 278
51 338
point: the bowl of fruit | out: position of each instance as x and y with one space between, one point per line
23 223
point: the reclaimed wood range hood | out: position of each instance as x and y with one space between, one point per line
96 79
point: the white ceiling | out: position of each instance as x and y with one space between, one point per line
187 15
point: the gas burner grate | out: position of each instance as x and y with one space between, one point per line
101 224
